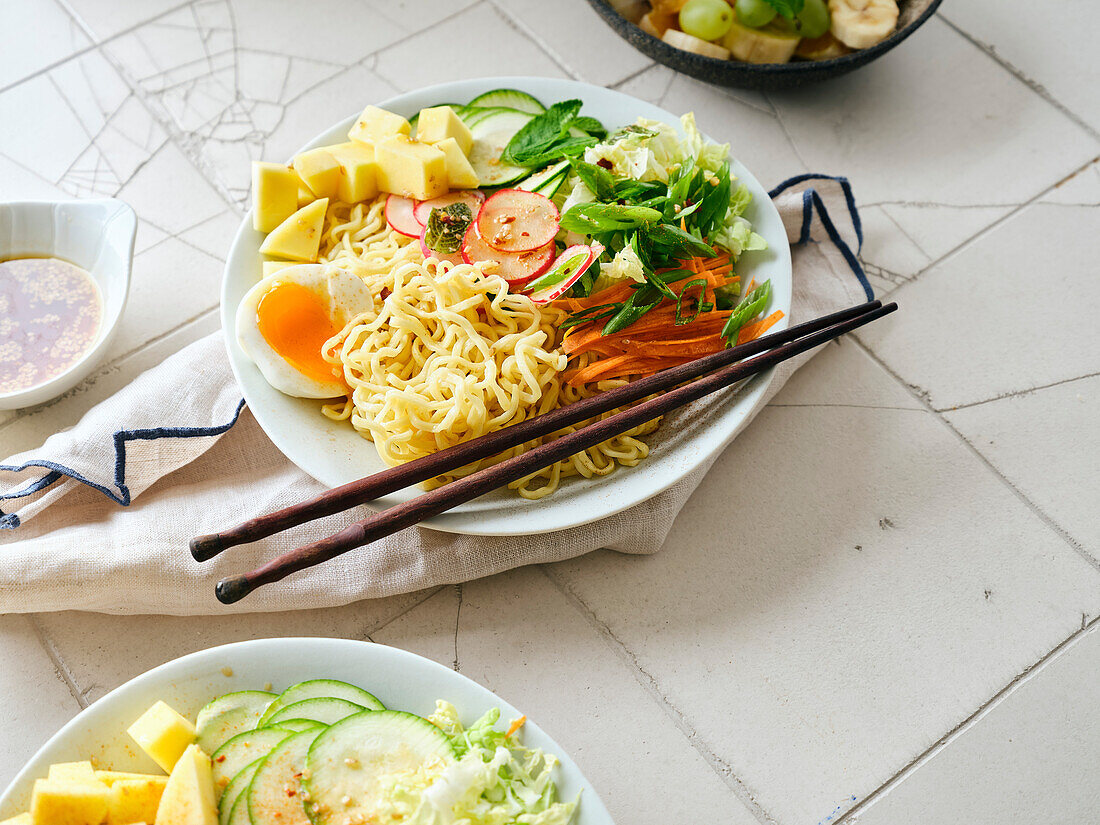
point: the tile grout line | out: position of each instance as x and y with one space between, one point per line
1036 87
1077 546
981 233
58 662
852 815
525 30
1016 393
387 622
649 684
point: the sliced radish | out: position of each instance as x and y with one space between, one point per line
401 217
514 220
566 271
517 268
471 197
453 257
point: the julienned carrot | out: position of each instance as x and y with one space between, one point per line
655 324
750 332
716 270
516 725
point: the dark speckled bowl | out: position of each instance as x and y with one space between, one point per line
764 76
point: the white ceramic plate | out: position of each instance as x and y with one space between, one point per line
334 454
402 680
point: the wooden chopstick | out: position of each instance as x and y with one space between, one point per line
388 481
406 514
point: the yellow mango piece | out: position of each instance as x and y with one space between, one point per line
188 798
304 196
410 168
135 800
271 267
375 124
21 819
109 778
460 174
163 734
358 171
299 236
72 772
274 194
439 123
54 802
319 171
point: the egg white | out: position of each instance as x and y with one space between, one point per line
342 293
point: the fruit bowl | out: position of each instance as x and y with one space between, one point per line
765 76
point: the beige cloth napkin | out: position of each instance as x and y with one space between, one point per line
98 517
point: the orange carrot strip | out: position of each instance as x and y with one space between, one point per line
750 332
516 725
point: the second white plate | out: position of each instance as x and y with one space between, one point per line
334 453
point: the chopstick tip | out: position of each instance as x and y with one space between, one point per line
232 590
204 548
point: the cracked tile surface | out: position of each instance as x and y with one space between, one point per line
859 575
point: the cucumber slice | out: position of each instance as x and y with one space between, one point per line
321 688
274 795
239 814
225 717
476 114
511 99
326 709
241 751
545 178
298 725
347 761
237 786
491 135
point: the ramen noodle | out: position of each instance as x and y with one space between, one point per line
449 354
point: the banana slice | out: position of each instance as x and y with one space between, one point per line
675 37
859 24
821 48
766 45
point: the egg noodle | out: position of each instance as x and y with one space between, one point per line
449 354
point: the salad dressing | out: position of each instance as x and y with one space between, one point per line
50 316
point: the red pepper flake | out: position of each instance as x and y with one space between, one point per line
604 162
220 758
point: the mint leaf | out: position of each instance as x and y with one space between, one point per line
541 132
447 227
787 8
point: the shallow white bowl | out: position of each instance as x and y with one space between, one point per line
334 453
97 235
402 680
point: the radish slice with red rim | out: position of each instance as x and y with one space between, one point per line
514 220
400 215
471 197
566 271
517 268
451 257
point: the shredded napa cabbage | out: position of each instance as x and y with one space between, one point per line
496 780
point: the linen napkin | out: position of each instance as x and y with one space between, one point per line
98 517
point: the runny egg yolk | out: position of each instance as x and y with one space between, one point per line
295 323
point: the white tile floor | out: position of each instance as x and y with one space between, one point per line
880 606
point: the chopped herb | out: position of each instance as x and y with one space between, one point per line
680 318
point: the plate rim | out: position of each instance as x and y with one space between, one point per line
167 672
750 396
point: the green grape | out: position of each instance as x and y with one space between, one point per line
706 19
813 20
754 13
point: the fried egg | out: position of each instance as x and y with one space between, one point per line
285 319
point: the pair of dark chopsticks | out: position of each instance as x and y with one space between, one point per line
672 388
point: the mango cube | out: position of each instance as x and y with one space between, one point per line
163 734
274 194
54 802
460 174
135 800
410 168
319 171
271 267
21 819
109 778
358 179
375 124
439 123
188 798
72 772
304 196
297 238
